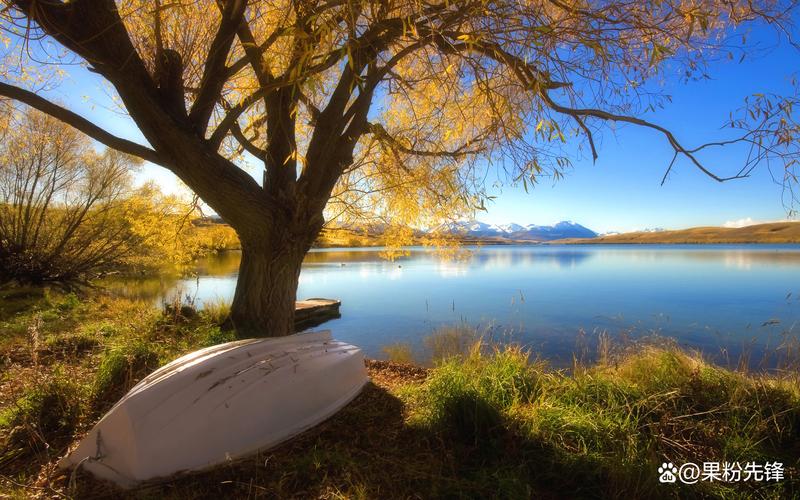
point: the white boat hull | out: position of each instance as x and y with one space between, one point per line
221 403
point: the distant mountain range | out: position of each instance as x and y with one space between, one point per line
480 232
474 230
515 232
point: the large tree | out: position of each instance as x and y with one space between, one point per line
398 106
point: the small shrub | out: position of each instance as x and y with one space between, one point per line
180 314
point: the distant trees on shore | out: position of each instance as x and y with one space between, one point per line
69 213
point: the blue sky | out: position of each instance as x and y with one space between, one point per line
621 191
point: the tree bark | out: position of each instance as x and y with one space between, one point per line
266 290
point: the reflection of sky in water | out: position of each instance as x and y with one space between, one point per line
706 296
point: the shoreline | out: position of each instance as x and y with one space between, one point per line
669 243
769 233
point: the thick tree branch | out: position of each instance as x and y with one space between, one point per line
94 30
312 108
253 54
281 146
236 111
80 123
246 143
232 117
214 73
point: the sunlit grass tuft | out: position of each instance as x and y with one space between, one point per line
121 367
450 341
213 335
216 311
468 395
399 352
610 425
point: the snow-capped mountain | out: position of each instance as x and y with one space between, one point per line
531 232
511 228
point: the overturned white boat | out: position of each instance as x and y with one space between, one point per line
220 403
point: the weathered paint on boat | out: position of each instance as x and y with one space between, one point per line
221 403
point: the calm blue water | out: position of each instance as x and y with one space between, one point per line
706 296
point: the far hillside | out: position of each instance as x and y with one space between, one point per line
776 232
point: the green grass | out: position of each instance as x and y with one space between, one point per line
484 421
603 430
121 367
450 341
43 418
207 336
72 344
215 311
468 396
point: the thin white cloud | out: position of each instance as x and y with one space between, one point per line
748 221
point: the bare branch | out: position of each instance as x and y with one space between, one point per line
382 134
604 115
80 123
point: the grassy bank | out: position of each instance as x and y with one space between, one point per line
774 232
486 423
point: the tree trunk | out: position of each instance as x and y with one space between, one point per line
266 290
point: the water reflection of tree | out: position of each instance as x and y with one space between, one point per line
221 264
146 288
152 288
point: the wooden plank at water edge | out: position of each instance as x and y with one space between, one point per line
313 312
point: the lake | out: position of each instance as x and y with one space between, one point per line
555 299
